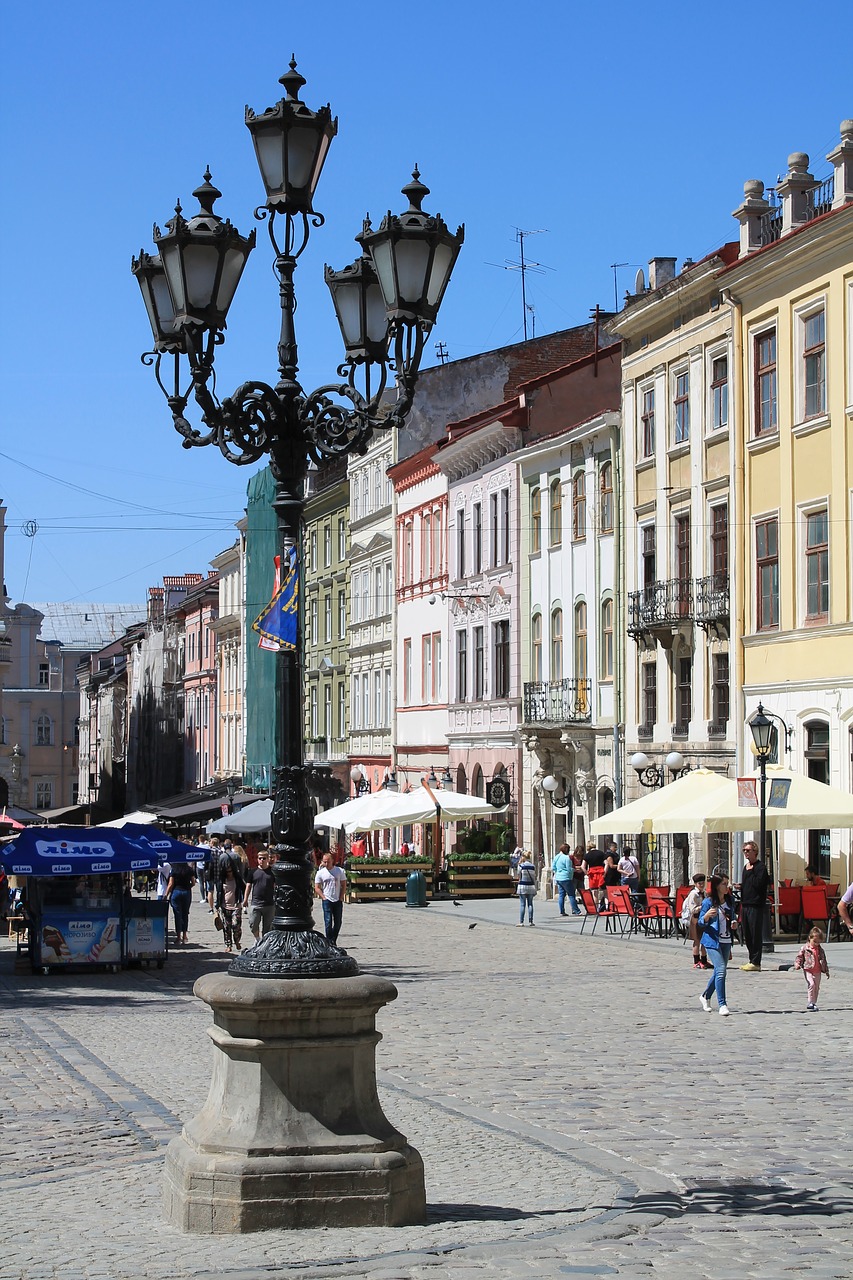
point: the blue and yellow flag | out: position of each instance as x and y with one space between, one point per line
277 625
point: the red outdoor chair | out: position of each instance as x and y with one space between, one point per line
815 909
588 900
790 905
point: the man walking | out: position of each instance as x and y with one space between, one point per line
563 870
753 901
329 885
260 895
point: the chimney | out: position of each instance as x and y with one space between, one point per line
750 215
661 271
795 189
841 160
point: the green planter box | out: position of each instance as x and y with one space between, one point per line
382 881
480 878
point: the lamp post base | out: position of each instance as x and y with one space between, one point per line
302 953
292 1134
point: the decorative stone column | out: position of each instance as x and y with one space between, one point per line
292 1133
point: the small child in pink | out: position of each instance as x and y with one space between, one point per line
812 960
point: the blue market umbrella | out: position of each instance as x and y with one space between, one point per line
70 851
167 848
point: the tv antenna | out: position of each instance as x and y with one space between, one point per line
442 352
524 266
614 267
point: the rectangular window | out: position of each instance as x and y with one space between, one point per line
817 566
649 557
365 701
426 668
378 707
327 545
720 544
556 513
389 587
681 407
436 666
477 566
327 711
682 564
435 553
342 710
327 618
505 551
342 614
379 605
315 626
44 674
719 691
407 673
44 795
650 696
479 666
461 666
408 554
495 530
313 551
426 547
684 695
314 711
342 540
765 383
387 696
501 658
366 611
767 573
647 433
461 557
720 392
814 364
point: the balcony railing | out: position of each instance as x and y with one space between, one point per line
770 226
711 598
663 604
557 702
820 200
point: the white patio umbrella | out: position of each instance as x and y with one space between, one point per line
255 817
351 812
425 805
139 817
689 795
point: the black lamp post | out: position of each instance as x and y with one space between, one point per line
761 728
386 305
360 780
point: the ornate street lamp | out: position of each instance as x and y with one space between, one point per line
764 735
653 775
564 802
360 780
386 304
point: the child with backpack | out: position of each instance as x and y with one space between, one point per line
811 958
690 920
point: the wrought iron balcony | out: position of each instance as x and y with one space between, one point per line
557 702
663 604
711 599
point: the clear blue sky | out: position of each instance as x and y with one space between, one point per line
624 131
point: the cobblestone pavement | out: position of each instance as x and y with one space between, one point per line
577 1113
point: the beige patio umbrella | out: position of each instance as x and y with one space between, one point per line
809 805
689 795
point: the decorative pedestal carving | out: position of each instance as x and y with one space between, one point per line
292 1133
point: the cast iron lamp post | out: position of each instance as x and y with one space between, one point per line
762 730
550 785
386 304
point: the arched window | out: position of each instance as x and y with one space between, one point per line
579 505
817 765
478 786
426 548
557 644
605 492
607 638
536 638
536 519
44 731
556 519
461 780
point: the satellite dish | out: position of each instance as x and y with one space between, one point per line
640 282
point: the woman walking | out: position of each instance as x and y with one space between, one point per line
715 917
526 887
179 892
230 890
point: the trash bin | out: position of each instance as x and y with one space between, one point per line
416 890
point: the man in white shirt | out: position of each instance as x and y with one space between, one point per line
329 886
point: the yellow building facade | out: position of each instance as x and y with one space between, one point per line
790 295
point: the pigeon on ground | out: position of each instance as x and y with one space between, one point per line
457 902
473 926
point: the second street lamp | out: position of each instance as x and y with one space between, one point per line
386 304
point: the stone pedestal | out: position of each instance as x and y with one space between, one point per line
292 1133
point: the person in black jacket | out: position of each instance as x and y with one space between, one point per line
753 901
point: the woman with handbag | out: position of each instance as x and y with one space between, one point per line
526 872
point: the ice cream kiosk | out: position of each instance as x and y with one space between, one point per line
76 903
